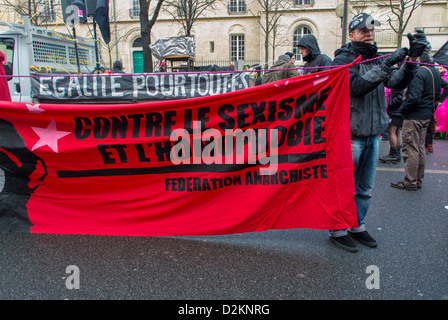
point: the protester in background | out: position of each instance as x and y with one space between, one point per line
309 49
444 84
162 66
395 124
280 70
368 111
417 111
292 57
5 95
118 67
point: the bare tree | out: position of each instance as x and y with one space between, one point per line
268 20
399 12
146 25
186 12
39 11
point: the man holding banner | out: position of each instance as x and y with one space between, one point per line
368 112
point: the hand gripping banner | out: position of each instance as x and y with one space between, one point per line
275 156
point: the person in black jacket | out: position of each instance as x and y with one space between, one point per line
309 49
417 110
368 117
444 84
396 122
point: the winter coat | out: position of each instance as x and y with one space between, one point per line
421 100
368 115
315 58
395 101
275 75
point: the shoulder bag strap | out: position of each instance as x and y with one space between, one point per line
433 86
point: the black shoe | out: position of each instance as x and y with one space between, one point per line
344 242
402 186
364 238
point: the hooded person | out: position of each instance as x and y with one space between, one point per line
118 67
310 51
282 69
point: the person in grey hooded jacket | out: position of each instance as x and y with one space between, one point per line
309 49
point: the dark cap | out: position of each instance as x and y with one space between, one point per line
289 54
361 21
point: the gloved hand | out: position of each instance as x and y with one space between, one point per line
417 43
398 56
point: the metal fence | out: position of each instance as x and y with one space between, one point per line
224 62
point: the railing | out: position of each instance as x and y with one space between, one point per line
433 29
386 37
223 62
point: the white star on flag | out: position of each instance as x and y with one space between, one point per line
320 79
49 136
283 85
34 108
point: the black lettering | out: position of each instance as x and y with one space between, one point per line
80 131
322 98
153 124
101 127
284 105
141 152
202 118
163 151
119 126
272 108
258 112
318 129
137 123
307 133
295 134
241 115
121 153
230 122
283 177
105 154
169 123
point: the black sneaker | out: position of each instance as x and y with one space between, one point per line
364 238
344 242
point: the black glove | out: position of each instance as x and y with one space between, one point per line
417 43
398 56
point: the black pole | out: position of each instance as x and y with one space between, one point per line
97 67
76 49
345 19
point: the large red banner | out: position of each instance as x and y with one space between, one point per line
275 156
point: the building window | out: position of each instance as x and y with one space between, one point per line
134 11
46 9
299 32
212 46
237 47
237 6
300 3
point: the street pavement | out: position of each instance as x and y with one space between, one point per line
410 262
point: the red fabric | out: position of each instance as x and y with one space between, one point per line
98 184
5 95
